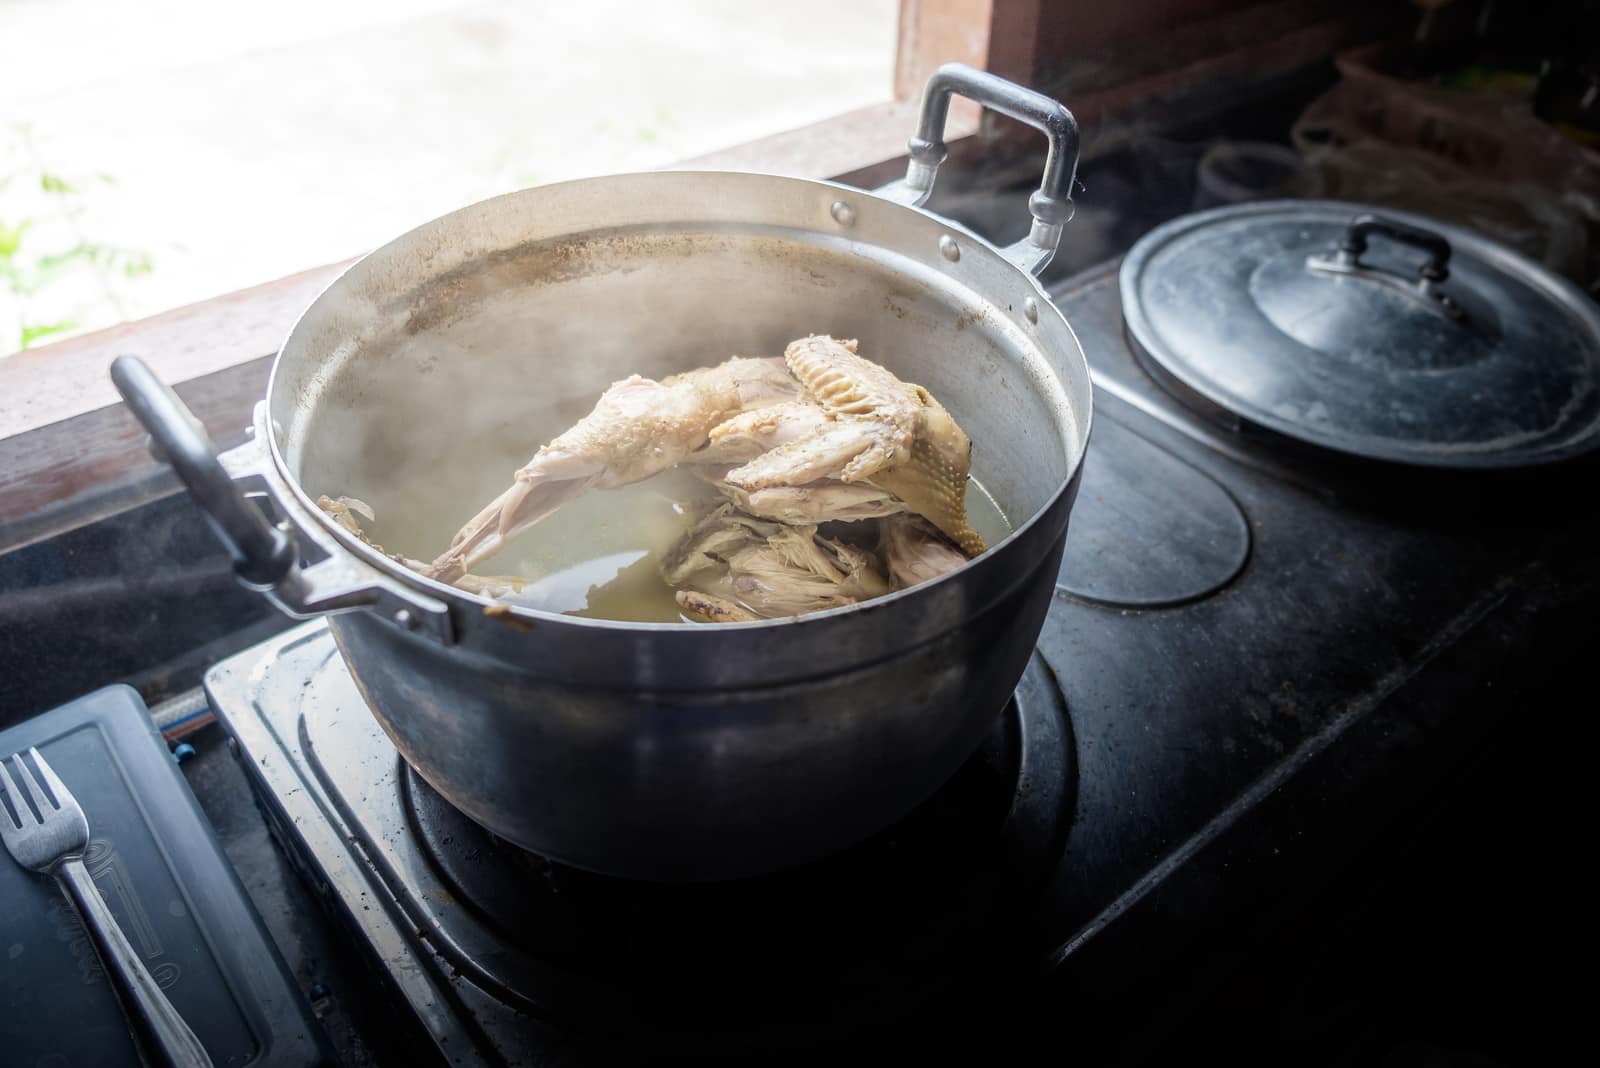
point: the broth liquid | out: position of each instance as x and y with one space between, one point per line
597 557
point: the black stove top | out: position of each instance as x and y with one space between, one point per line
781 953
512 943
1276 696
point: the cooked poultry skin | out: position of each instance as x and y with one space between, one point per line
823 501
881 430
915 551
748 435
733 565
819 502
713 609
638 428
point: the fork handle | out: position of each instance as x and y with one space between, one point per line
164 1037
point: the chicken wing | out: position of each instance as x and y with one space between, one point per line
638 428
889 433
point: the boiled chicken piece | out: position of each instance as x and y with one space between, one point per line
916 551
346 510
799 571
716 536
348 513
639 427
873 424
713 609
827 501
891 434
749 434
732 566
824 501
933 483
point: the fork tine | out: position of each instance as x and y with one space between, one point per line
17 795
8 821
60 796
29 787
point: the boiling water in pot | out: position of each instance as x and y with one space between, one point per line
597 556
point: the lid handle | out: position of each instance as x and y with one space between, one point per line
1346 260
1354 243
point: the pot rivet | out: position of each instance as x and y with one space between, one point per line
842 213
406 619
949 248
1030 308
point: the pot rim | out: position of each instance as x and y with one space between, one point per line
456 596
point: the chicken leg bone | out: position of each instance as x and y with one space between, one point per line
348 513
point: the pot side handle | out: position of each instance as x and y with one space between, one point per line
262 553
266 556
1050 204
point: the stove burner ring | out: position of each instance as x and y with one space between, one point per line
880 916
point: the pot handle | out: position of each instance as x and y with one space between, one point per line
266 556
1050 204
262 553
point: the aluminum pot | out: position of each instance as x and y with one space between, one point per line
680 751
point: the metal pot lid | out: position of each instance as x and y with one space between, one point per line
1372 332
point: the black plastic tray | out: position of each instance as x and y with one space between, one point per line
159 867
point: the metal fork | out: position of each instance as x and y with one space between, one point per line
47 832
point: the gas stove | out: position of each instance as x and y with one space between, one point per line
491 946
1265 672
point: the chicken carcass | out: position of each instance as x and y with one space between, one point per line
732 566
890 434
916 551
639 427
